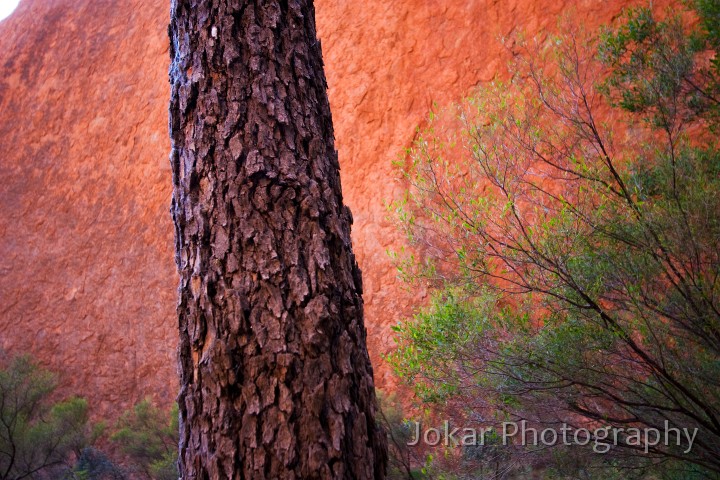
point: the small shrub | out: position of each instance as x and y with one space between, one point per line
149 437
38 438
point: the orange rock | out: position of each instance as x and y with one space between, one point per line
87 276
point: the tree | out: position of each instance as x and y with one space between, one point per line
576 244
276 381
38 438
94 464
149 437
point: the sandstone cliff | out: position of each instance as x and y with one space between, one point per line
87 278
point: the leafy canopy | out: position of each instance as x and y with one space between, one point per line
569 222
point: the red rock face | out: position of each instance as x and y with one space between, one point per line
87 276
88 280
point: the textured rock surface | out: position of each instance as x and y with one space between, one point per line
87 279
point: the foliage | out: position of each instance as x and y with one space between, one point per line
575 241
660 69
402 461
430 346
38 438
150 439
93 464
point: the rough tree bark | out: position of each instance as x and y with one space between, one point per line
276 381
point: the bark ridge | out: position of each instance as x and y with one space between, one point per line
276 381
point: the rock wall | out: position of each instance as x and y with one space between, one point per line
87 278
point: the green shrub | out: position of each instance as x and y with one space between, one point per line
38 438
568 223
149 437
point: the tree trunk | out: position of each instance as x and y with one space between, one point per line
276 381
